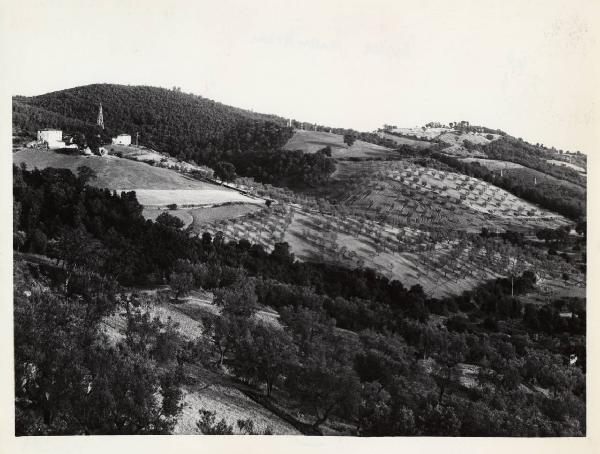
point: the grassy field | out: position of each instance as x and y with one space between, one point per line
146 155
421 144
566 164
191 197
113 172
493 164
313 141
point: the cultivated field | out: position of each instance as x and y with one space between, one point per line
265 227
402 193
455 139
442 261
204 216
313 141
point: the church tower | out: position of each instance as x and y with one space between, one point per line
100 120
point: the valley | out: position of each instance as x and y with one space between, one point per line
244 274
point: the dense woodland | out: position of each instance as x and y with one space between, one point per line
354 347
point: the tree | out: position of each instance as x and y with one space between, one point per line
225 171
68 381
86 174
326 151
181 282
324 380
451 353
238 299
224 332
77 249
38 242
169 220
264 355
349 139
325 384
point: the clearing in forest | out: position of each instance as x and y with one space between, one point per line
313 141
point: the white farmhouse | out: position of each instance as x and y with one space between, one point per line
51 137
122 139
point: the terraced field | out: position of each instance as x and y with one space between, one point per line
228 212
442 261
265 227
402 193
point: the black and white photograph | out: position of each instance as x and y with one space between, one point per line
334 219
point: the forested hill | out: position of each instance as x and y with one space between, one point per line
183 125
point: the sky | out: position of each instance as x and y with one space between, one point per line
528 68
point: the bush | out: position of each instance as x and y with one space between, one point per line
39 242
208 424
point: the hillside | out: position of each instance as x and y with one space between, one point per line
137 350
156 188
183 125
113 172
313 141
390 252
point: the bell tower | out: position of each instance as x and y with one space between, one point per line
100 120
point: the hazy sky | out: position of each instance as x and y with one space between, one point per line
528 67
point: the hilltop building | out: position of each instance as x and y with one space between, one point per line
52 138
122 139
